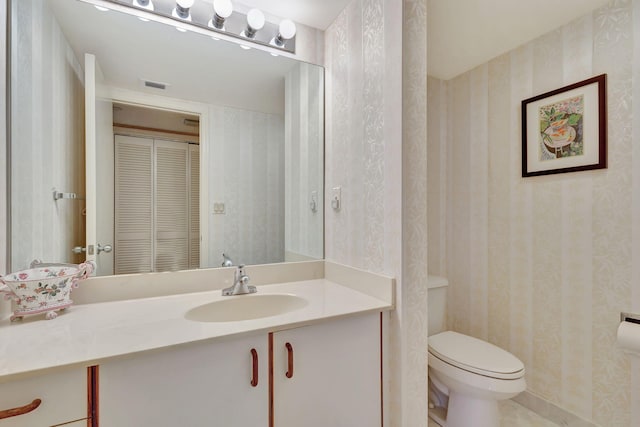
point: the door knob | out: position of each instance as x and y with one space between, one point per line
105 248
79 249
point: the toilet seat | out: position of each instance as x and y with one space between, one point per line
476 356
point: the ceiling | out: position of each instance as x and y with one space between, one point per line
463 34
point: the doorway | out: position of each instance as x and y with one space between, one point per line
155 224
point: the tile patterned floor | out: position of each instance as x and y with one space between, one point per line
514 415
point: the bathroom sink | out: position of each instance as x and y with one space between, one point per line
246 307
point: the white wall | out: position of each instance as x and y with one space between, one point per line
543 266
376 151
246 173
47 132
304 162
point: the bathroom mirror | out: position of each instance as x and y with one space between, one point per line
201 147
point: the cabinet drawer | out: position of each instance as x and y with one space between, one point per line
63 398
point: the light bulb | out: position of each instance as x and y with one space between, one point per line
182 9
287 29
144 4
255 19
102 9
223 8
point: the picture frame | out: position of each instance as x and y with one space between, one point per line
565 130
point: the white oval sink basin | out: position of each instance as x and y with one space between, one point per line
246 307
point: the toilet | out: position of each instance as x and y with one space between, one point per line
467 376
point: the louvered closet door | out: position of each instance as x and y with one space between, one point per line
194 205
133 205
172 206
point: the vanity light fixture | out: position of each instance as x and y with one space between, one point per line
101 9
251 29
287 31
255 22
182 9
222 9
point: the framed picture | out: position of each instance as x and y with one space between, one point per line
565 130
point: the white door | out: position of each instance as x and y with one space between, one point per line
196 386
156 205
328 374
90 81
133 205
98 163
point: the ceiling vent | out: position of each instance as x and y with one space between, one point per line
191 122
154 85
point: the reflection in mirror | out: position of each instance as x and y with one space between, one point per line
183 149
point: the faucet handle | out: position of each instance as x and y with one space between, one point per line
227 261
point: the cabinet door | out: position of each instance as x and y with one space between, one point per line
63 397
204 384
335 377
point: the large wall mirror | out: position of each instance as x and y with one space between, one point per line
151 149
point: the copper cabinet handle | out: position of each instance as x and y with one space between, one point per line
254 377
289 373
14 412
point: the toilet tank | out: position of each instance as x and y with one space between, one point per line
437 304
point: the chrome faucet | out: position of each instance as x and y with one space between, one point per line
240 284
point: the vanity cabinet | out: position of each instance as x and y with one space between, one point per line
62 395
221 383
328 374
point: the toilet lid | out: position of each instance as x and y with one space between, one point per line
474 355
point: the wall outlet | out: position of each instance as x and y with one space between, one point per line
218 208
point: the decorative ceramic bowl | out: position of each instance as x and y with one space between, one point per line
44 289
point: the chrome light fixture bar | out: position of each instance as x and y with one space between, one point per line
221 21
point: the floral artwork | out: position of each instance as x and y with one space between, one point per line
565 130
561 129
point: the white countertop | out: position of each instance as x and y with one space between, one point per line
88 334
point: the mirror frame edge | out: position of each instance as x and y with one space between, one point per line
5 132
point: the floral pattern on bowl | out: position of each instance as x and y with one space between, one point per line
45 289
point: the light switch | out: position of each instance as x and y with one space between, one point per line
336 198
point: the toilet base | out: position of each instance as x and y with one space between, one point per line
469 411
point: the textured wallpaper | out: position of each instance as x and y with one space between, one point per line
414 212
47 139
376 152
247 175
304 162
543 266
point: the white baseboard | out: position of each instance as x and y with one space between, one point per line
550 411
